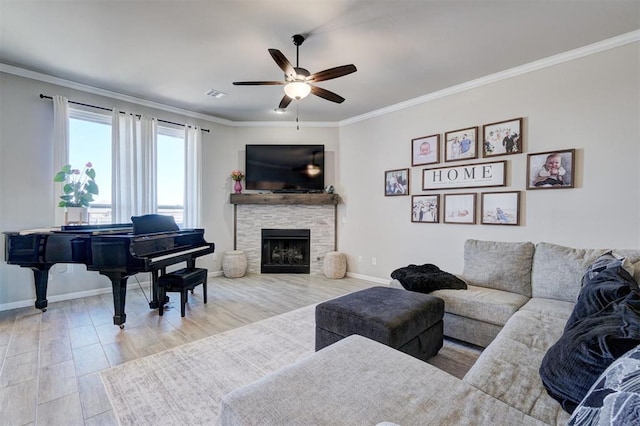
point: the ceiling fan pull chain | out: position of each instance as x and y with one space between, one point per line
297 115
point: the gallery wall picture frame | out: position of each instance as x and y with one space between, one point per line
551 169
425 208
425 150
461 144
502 138
460 208
396 182
479 175
500 208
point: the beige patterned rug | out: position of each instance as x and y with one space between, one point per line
184 385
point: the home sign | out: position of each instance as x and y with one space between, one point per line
467 176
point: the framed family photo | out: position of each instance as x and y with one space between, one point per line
396 182
460 208
425 150
500 208
425 208
551 170
502 138
461 144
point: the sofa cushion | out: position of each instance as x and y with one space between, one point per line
593 338
499 265
357 381
426 278
557 270
481 303
508 368
615 397
555 308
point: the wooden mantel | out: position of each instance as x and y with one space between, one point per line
307 199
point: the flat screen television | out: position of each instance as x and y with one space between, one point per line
285 168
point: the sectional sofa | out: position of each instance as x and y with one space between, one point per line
518 299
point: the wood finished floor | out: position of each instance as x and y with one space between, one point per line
50 362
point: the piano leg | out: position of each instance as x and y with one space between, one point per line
155 303
41 277
119 285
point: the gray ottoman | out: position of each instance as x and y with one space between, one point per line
404 320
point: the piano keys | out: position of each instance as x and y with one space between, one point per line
111 250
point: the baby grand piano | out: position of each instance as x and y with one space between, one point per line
115 250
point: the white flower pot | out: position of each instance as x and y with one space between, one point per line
77 216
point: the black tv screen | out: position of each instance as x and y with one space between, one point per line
285 167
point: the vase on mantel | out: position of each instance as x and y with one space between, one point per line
238 187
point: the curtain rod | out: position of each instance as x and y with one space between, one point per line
121 112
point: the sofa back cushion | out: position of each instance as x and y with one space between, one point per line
499 265
557 270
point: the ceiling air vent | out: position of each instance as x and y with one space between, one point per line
215 93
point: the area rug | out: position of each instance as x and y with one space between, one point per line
184 385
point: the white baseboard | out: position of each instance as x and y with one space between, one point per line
80 294
384 281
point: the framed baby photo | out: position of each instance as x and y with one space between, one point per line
425 150
396 182
425 208
551 170
500 208
460 208
461 144
502 138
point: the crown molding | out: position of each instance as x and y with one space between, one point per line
570 55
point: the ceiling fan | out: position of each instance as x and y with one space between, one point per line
297 80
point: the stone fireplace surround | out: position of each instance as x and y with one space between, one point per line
254 212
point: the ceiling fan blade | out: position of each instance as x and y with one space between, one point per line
332 73
285 102
325 94
283 62
258 83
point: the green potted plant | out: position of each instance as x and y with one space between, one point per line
79 189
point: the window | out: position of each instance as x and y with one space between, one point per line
90 141
170 166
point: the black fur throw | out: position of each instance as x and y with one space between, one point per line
427 278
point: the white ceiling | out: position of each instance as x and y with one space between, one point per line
173 52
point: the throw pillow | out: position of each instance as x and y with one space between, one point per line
572 365
607 260
151 223
427 278
615 397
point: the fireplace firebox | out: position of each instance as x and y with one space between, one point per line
285 251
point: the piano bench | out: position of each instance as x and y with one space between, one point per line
181 281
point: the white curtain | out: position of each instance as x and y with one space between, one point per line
193 177
60 149
134 173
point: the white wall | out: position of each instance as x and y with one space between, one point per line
591 104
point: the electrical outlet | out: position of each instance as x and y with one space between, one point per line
359 259
374 261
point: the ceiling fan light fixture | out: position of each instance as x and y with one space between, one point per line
297 90
313 169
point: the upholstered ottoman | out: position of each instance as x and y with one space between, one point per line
404 320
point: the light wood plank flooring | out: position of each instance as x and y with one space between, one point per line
50 361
